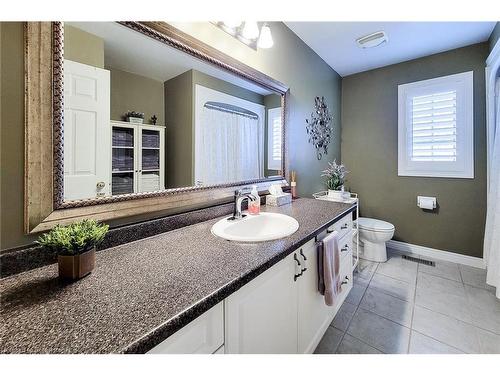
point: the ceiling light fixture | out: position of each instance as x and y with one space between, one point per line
373 40
248 32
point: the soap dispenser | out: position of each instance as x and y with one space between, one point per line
254 206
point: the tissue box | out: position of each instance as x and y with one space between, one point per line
278 200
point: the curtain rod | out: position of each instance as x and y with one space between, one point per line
229 108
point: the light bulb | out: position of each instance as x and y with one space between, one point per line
265 39
250 30
232 24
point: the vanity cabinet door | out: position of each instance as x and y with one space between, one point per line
204 335
313 314
261 317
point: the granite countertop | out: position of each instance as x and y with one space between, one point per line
141 292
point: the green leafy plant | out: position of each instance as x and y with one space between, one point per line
75 238
335 175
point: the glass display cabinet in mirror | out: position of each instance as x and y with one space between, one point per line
140 116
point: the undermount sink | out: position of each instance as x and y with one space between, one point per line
266 226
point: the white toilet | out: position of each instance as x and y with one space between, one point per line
373 235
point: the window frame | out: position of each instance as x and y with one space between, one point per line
463 167
272 164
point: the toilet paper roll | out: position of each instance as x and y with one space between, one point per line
426 203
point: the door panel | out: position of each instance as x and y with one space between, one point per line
261 317
87 143
204 335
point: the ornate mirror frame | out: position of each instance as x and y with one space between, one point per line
44 133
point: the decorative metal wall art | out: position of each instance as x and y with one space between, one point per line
318 127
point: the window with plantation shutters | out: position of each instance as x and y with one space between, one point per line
435 127
274 136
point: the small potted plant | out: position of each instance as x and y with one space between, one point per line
335 178
75 245
134 117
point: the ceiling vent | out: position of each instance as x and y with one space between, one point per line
372 40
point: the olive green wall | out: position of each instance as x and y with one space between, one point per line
179 115
12 139
83 47
495 35
134 92
289 61
370 145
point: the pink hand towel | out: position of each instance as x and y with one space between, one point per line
331 266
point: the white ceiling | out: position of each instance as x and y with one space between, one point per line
335 42
130 51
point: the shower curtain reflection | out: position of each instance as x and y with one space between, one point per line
231 148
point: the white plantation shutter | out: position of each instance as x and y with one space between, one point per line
435 127
274 135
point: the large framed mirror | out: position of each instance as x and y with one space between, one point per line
142 118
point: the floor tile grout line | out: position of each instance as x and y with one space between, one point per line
413 309
349 323
384 317
441 342
447 315
460 320
364 342
471 323
380 316
442 277
355 311
394 278
469 284
390 295
359 307
391 277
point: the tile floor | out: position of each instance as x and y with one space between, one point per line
406 307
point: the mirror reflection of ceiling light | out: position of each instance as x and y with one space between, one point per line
250 30
373 40
253 34
232 24
265 38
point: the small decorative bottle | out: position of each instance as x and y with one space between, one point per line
293 184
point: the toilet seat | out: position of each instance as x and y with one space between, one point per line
374 225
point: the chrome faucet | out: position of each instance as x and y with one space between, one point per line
239 197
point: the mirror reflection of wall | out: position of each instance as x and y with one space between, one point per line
141 116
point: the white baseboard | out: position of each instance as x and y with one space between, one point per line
436 254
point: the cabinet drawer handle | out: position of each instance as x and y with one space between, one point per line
303 256
296 276
345 282
345 248
297 260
